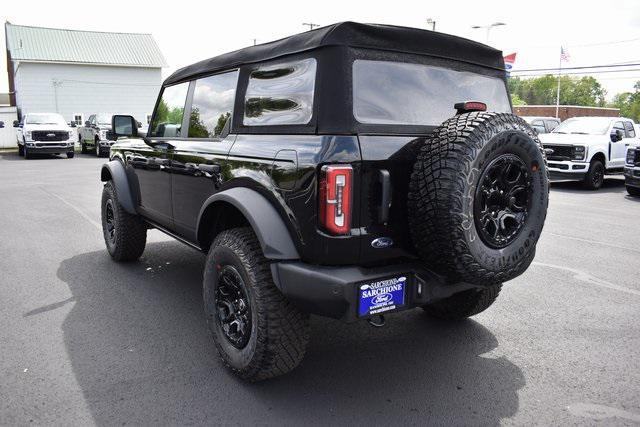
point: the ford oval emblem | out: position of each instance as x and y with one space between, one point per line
382 242
381 299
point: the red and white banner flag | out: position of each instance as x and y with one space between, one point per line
509 60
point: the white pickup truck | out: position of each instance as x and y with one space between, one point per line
43 133
632 168
586 148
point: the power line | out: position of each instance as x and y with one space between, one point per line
577 73
579 68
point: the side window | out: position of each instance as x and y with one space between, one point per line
167 119
617 126
551 125
212 106
281 94
538 125
631 132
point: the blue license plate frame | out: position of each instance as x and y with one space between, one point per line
382 295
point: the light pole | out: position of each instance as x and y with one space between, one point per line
432 23
488 28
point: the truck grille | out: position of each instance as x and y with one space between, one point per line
52 135
633 157
560 152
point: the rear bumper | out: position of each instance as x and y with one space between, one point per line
632 176
333 291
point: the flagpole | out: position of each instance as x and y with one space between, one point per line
558 91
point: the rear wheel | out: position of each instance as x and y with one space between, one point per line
478 198
124 234
595 175
464 304
633 191
259 334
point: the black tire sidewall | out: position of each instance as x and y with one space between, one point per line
523 247
237 358
595 164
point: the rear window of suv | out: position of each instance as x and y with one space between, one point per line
414 94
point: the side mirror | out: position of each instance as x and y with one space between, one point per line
617 135
124 126
72 124
16 124
87 123
1 124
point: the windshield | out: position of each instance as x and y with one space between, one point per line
44 119
584 126
104 119
413 94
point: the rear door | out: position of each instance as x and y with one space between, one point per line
197 160
397 105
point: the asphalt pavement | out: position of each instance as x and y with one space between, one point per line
84 340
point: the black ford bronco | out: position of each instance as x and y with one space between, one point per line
350 171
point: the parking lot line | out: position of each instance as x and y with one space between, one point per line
74 207
583 276
595 242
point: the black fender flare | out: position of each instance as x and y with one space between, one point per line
275 240
114 171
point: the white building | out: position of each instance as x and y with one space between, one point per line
78 73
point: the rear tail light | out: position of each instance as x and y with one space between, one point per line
336 187
469 106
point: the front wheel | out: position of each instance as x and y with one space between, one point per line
70 154
124 234
464 304
595 176
20 150
633 191
26 153
97 148
259 334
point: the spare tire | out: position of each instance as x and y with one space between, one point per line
478 198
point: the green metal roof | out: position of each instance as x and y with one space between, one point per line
87 47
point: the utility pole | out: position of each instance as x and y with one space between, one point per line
488 28
56 83
311 25
432 23
558 91
255 42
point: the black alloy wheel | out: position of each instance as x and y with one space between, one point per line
502 200
233 306
110 221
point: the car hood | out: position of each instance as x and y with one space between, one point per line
33 127
572 139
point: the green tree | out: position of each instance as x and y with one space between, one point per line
222 120
197 129
516 100
628 103
542 90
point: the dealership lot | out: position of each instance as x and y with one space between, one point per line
85 340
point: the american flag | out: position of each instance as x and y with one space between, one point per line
564 55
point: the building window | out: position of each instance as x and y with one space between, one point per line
77 118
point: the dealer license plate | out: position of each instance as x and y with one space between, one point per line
381 295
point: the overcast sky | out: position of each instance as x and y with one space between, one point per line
187 31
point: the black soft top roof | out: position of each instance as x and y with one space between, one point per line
352 34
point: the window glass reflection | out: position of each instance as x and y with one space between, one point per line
281 94
213 99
